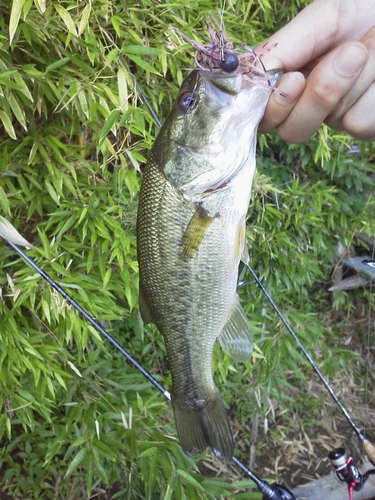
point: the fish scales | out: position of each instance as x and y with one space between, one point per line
191 232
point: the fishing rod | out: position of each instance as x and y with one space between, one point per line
368 447
270 491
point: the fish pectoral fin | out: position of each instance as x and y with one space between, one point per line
195 232
236 338
143 308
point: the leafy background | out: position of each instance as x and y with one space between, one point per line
76 420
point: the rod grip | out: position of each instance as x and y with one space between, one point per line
369 450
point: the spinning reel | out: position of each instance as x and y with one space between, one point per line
347 471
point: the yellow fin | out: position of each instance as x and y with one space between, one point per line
195 232
143 308
239 247
236 338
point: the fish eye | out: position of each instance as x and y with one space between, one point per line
187 102
230 62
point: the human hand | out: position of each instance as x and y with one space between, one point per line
328 54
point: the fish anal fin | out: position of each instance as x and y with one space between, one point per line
144 309
236 337
206 426
195 232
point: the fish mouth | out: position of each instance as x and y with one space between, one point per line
230 83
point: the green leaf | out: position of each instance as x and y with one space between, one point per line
57 64
46 310
122 88
80 441
7 122
141 50
15 13
41 5
110 121
17 111
84 19
77 460
53 450
65 16
143 64
4 424
149 453
4 204
190 480
22 86
52 193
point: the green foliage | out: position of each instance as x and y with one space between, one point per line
75 418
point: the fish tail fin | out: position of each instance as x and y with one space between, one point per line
205 426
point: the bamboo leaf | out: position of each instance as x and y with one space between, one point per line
84 19
57 64
15 14
143 64
41 5
46 310
53 450
18 112
22 86
190 480
142 50
77 460
7 122
52 193
9 233
65 16
4 203
122 88
110 121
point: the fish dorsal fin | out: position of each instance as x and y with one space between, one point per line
236 338
143 308
195 232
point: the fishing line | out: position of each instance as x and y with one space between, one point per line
270 491
369 448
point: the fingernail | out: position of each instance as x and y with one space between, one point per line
349 60
291 85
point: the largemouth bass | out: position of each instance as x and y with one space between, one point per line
193 202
